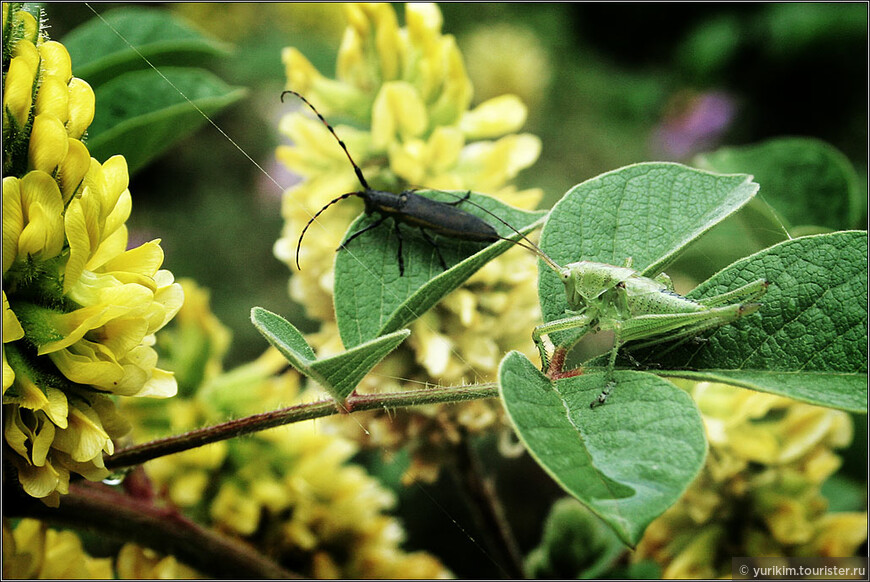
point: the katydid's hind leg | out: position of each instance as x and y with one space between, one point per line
746 293
718 317
610 374
429 240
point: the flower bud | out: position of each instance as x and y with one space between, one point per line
53 99
48 143
81 107
55 61
18 91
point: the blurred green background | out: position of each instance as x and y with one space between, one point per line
606 84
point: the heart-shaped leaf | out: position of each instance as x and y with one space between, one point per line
627 461
338 374
372 299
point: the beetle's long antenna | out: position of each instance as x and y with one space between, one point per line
313 218
529 246
356 168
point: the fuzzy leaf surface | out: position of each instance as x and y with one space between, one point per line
338 374
627 461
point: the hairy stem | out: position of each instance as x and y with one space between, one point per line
137 454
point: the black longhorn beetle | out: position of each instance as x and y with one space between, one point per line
442 218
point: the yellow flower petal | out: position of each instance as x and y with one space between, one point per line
143 260
41 482
73 168
53 99
81 107
76 230
13 220
18 91
113 303
11 327
88 363
497 116
398 113
55 60
30 25
84 438
43 211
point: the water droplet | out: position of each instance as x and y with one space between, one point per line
114 479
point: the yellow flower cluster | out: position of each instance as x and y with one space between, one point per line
321 516
759 492
32 550
79 309
407 95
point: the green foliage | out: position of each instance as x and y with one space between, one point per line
338 374
808 342
99 54
626 461
371 299
807 181
575 544
142 113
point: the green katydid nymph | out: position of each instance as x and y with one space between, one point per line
636 308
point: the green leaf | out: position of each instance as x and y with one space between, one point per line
627 461
338 374
143 113
809 339
807 181
575 544
371 299
100 51
649 212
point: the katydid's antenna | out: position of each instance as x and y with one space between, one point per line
530 246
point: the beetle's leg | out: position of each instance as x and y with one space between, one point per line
429 240
375 224
461 200
399 256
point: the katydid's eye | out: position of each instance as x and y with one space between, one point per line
565 275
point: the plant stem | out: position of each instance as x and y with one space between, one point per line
98 507
486 506
137 454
